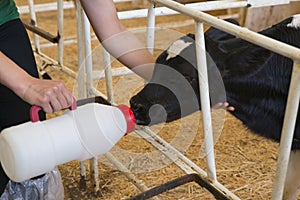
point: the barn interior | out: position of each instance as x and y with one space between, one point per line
245 162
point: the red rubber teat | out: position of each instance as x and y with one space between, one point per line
129 116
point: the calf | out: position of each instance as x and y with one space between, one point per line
256 83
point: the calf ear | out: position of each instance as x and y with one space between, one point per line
246 61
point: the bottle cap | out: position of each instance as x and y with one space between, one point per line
129 117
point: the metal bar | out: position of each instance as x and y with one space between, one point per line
33 23
82 91
255 38
60 35
88 53
205 101
178 182
94 174
96 99
46 35
108 75
287 132
262 3
89 84
151 27
163 11
118 71
166 151
45 7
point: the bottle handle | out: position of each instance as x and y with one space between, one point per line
34 111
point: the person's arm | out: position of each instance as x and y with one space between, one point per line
120 43
50 95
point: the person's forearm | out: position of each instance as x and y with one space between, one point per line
12 76
49 94
122 44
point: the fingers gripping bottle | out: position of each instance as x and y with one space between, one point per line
36 147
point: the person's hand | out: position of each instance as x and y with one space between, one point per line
224 106
51 95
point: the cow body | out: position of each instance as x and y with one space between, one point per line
256 83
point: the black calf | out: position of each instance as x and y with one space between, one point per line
256 80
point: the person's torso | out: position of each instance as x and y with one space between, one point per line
8 11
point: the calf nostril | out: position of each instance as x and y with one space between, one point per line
136 107
139 108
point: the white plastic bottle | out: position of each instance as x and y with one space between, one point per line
34 148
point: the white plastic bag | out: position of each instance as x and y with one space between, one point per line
47 187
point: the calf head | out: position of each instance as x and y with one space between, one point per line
173 91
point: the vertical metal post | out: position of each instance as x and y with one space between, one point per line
34 23
82 91
94 174
89 84
287 133
108 75
88 54
80 44
151 27
205 102
60 27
